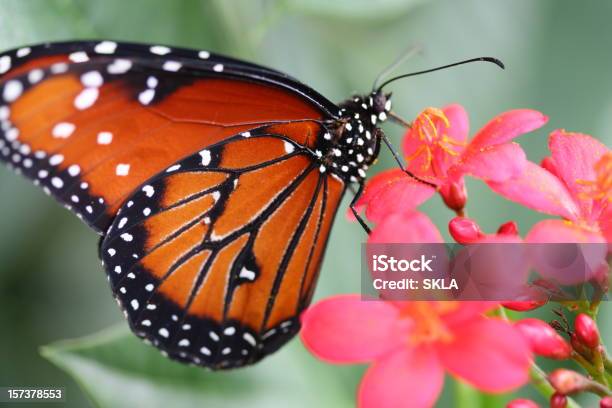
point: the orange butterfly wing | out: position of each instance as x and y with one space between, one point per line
91 132
201 171
218 274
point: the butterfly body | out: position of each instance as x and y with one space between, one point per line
214 182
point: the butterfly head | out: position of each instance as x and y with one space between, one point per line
353 141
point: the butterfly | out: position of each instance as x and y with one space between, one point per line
212 181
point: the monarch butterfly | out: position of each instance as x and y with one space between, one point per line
213 182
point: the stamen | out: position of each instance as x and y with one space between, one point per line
429 326
601 187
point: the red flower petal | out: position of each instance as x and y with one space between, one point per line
489 354
404 378
346 329
392 191
410 227
538 189
468 311
575 155
459 122
506 126
557 231
495 163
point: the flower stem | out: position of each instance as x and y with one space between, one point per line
595 370
466 396
541 384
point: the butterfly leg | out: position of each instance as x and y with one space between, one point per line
354 210
401 165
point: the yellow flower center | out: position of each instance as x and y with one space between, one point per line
429 325
427 132
601 187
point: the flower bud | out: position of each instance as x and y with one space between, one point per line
522 403
606 402
567 382
454 196
586 330
523 306
558 401
543 339
464 230
580 347
508 228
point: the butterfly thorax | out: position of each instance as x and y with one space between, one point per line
352 142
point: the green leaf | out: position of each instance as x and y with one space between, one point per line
118 370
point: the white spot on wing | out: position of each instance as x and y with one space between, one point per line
249 338
5 112
122 222
122 169
119 66
148 190
63 130
74 170
172 66
289 147
35 75
5 64
86 98
146 96
92 79
59 68
247 274
105 138
152 82
57 182
205 157
159 50
106 47
78 56
22 52
12 90
56 159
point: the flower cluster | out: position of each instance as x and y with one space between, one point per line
410 345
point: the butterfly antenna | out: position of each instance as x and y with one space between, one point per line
410 52
484 59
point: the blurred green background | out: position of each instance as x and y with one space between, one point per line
51 284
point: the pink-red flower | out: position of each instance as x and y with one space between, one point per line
574 183
437 150
522 403
543 339
412 344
